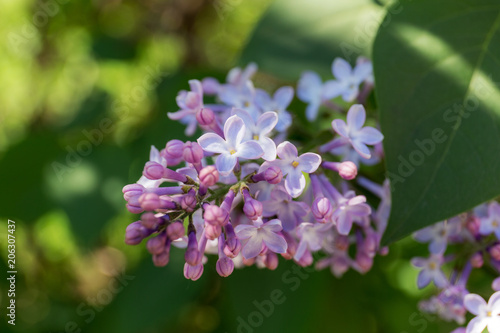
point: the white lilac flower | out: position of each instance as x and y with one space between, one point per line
259 131
293 167
431 271
258 235
347 80
354 131
232 147
278 103
487 314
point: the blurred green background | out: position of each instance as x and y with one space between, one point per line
99 76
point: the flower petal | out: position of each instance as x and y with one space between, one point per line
475 304
309 162
341 69
234 130
250 150
266 122
275 242
424 278
361 148
225 163
262 99
340 127
269 148
369 135
363 71
312 110
287 151
245 116
301 249
332 89
295 183
283 97
344 223
356 117
424 235
154 155
309 87
477 325
244 231
252 247
213 143
284 121
273 225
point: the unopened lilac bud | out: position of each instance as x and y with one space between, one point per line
174 149
306 259
496 284
348 170
149 220
193 153
188 202
134 209
212 231
192 256
193 272
149 201
215 215
370 244
156 245
252 209
224 266
247 262
364 262
132 190
136 232
161 259
175 230
232 247
153 170
473 223
495 252
273 175
476 260
339 266
205 117
271 260
322 209
209 176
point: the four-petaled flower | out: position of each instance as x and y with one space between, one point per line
289 212
231 148
311 237
437 235
189 102
348 79
278 103
258 235
487 315
431 271
349 208
491 223
259 131
293 166
312 90
354 131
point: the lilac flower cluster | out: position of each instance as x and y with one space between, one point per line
473 240
242 191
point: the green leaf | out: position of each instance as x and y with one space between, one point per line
296 35
435 70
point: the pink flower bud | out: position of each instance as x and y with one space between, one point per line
192 256
149 201
224 266
149 220
156 245
153 170
161 259
496 284
193 153
348 170
193 272
232 247
188 202
215 215
271 260
322 209
205 117
175 230
174 149
472 224
212 231
252 209
209 176
273 175
495 252
476 260
364 262
132 190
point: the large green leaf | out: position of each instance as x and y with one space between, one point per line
296 35
435 70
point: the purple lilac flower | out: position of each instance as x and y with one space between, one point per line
431 271
491 223
311 237
354 131
293 167
278 103
289 212
348 79
190 103
231 148
311 90
258 235
437 235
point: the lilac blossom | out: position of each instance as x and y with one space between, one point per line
437 235
258 235
231 148
293 167
311 237
347 80
431 271
259 131
278 103
491 223
190 103
289 212
487 314
354 131
313 91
